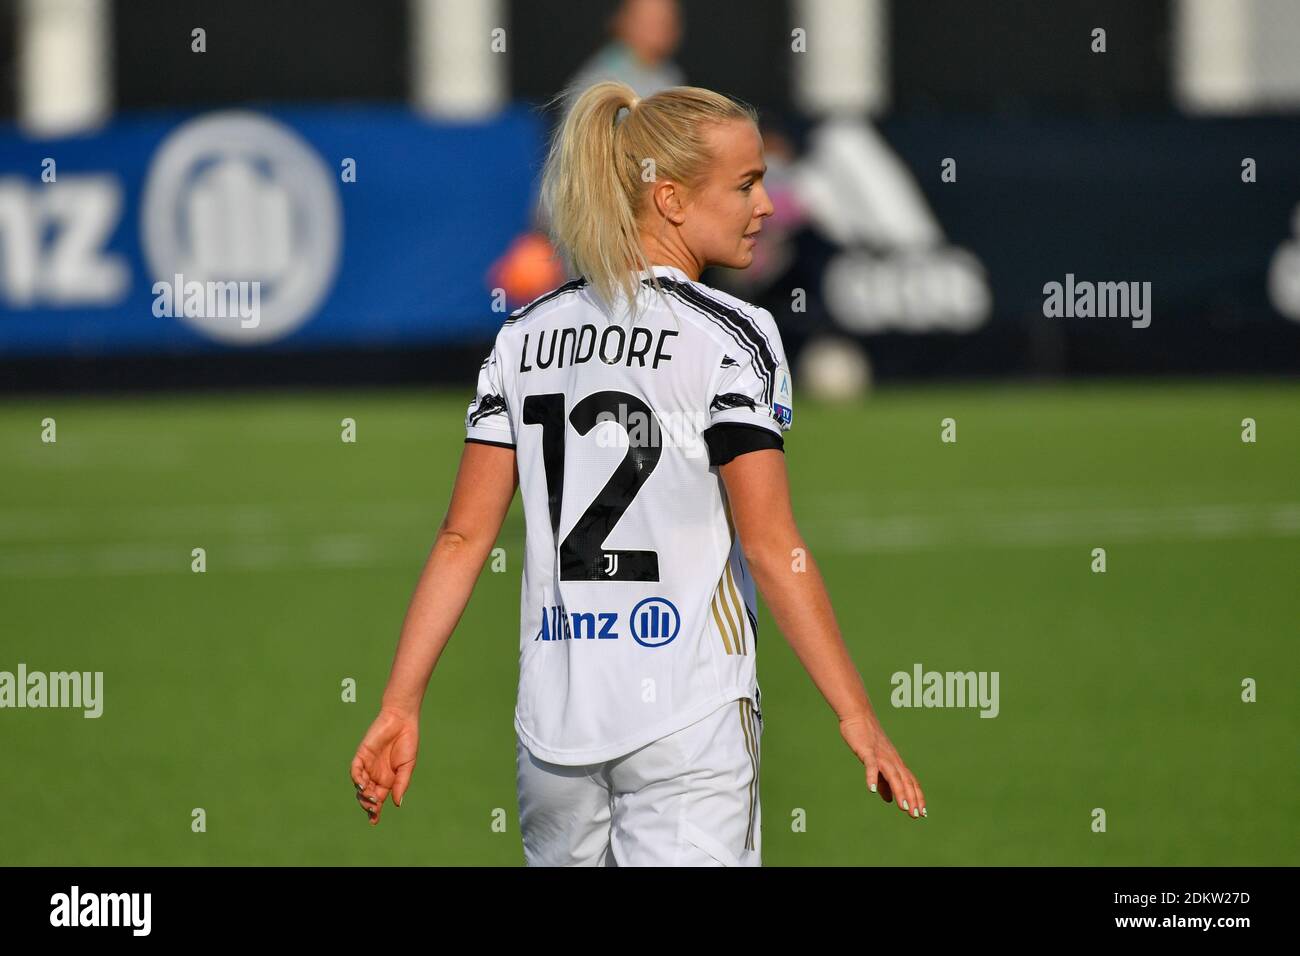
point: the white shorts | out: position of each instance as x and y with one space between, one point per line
687 799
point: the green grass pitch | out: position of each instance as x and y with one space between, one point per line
222 690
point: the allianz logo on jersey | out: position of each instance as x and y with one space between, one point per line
653 622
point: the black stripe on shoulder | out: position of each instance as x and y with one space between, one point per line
749 326
740 326
573 285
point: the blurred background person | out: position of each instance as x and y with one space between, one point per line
644 35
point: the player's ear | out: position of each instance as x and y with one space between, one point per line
668 201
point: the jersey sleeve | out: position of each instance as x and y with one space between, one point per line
751 403
488 418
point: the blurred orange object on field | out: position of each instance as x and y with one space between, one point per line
529 268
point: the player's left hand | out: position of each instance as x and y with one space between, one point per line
886 772
385 760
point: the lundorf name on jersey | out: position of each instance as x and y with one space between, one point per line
638 347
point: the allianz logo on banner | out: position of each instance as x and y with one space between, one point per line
241 227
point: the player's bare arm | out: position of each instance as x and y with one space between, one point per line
759 492
485 485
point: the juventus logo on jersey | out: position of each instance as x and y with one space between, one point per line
611 564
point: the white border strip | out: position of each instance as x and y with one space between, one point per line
454 72
846 66
64 82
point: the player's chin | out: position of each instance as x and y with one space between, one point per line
742 258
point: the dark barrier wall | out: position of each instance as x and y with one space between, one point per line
8 50
1027 56
259 51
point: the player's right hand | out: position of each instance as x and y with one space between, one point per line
385 761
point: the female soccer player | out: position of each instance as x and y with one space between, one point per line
642 413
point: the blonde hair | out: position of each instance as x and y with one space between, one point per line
593 188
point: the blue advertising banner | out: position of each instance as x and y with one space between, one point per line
948 245
278 229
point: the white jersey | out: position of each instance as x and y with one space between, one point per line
638 612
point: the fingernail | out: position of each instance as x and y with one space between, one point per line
914 813
904 803
873 788
924 812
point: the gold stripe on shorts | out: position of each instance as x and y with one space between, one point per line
751 747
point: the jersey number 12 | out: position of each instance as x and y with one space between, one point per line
583 556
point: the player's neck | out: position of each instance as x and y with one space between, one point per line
663 254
